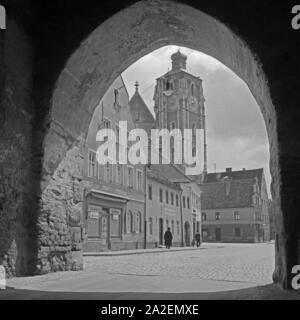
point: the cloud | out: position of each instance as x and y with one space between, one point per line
236 131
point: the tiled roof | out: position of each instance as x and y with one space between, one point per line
235 175
158 172
227 194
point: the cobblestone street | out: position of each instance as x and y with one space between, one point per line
213 267
252 263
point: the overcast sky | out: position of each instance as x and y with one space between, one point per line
236 132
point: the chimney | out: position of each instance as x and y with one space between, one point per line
244 169
228 169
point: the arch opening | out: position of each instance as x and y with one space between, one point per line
86 77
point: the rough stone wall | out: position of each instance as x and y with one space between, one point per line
60 221
15 146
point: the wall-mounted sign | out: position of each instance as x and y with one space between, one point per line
94 215
115 211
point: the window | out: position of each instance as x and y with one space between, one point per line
130 177
183 83
167 223
92 172
125 222
192 89
167 196
150 225
139 180
217 215
236 215
178 228
172 198
173 125
237 232
106 123
161 195
138 224
188 202
131 222
172 155
183 201
150 191
119 175
203 216
177 200
108 173
116 97
194 152
194 129
172 227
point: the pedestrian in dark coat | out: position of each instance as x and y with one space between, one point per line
198 239
168 238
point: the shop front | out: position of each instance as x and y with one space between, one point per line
104 216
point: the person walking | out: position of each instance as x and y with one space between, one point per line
198 239
168 238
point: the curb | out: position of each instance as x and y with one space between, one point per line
140 251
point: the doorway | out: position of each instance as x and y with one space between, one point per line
187 233
161 230
218 234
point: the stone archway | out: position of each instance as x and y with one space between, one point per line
105 53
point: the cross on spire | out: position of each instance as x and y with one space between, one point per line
136 86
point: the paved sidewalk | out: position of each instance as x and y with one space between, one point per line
140 251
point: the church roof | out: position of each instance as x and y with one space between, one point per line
138 108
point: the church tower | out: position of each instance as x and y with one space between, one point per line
179 102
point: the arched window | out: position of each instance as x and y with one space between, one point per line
192 89
116 96
139 222
194 129
125 222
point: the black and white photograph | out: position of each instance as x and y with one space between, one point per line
149 150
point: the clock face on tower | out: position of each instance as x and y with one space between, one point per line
172 103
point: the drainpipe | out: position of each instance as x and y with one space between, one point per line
145 206
181 216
